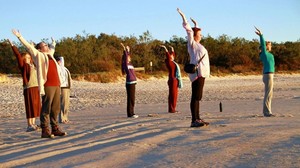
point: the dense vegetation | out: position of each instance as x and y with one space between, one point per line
86 54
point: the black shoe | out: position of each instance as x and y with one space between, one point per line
269 115
204 122
197 124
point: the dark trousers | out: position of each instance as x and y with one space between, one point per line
50 106
197 90
173 94
130 89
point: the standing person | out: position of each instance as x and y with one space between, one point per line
65 91
131 81
174 81
30 85
268 61
197 52
49 84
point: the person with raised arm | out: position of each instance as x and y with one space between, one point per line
196 52
268 61
48 73
131 81
30 87
65 86
174 81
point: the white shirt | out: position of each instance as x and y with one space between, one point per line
196 52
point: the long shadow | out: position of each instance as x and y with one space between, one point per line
69 139
86 132
266 155
97 147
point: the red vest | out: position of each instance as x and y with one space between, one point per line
52 75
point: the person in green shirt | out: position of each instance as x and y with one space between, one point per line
267 59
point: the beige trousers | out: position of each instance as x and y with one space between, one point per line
64 105
268 81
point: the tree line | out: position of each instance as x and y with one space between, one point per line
102 53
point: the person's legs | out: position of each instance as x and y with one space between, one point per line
27 107
32 108
61 114
268 81
47 101
55 109
197 91
55 106
65 103
173 92
35 104
130 88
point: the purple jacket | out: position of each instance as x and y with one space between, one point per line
128 68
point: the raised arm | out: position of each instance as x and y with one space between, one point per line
52 46
257 31
17 54
261 38
187 27
123 46
182 15
33 51
172 49
164 47
10 42
124 59
195 23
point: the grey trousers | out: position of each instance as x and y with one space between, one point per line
50 106
65 104
268 81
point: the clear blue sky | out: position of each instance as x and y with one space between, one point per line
279 20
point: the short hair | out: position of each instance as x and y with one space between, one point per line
196 29
57 58
38 45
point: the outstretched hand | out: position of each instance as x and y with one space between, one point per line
16 33
257 31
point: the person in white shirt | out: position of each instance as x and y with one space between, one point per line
65 86
197 52
49 79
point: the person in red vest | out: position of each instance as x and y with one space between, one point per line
174 81
48 73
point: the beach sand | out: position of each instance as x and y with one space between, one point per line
100 134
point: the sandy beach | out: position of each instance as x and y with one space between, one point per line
100 134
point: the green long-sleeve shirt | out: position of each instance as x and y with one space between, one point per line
266 57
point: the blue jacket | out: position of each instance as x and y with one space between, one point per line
266 57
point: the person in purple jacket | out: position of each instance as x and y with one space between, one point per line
128 69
